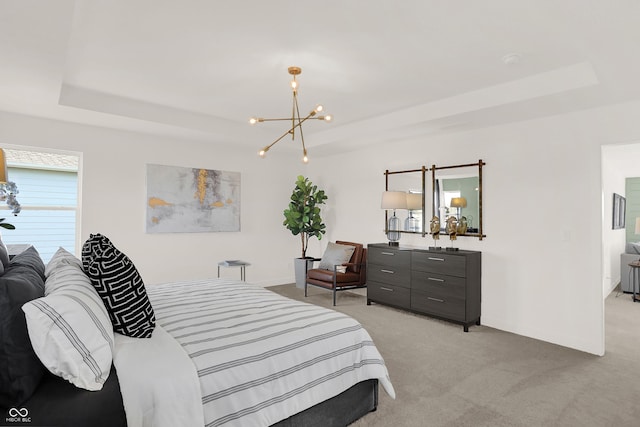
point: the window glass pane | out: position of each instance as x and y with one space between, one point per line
47 230
45 187
47 191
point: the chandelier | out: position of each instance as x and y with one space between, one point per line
296 119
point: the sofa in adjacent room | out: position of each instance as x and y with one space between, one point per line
631 254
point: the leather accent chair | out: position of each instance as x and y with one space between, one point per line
354 277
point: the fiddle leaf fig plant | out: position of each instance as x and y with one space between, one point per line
302 217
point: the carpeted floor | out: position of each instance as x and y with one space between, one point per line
445 377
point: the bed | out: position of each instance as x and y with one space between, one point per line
221 353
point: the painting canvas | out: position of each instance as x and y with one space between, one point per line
619 206
191 200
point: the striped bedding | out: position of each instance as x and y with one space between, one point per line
261 357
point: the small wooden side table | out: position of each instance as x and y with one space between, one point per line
635 279
235 263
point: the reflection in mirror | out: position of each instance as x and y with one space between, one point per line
412 182
457 192
414 207
459 197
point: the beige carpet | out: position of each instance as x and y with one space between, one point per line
445 377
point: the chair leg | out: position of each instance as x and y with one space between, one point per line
334 296
305 288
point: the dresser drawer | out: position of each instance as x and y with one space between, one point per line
389 274
449 307
392 257
451 265
389 294
439 283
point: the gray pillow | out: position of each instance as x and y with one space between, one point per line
633 248
335 254
4 255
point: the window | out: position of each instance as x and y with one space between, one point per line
48 192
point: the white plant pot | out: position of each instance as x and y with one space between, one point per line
301 266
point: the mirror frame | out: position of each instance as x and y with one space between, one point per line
480 234
423 171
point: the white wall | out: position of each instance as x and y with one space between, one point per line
542 274
113 199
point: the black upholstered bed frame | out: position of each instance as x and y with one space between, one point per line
58 403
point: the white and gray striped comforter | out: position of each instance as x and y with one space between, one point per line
261 357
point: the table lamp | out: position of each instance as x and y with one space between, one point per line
393 200
458 202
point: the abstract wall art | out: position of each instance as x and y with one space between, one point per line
191 200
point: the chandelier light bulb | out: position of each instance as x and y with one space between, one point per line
319 108
328 118
263 152
253 121
294 84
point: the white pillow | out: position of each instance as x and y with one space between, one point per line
335 254
62 256
70 330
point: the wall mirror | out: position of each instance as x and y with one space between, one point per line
457 191
411 182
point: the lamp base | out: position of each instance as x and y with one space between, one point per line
435 248
451 249
394 244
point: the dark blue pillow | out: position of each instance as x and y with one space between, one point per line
20 368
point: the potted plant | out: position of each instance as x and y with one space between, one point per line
8 191
302 217
6 225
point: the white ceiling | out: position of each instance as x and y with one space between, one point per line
385 70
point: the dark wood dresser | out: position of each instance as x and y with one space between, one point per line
442 284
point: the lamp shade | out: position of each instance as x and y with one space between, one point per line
394 200
458 202
3 167
414 201
637 225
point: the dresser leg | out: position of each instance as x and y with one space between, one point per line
478 322
466 328
368 302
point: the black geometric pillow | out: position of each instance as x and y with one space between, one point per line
94 246
120 286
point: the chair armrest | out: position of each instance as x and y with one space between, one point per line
353 264
349 264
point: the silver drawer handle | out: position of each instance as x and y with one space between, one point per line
386 289
435 279
435 299
436 259
387 253
387 271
